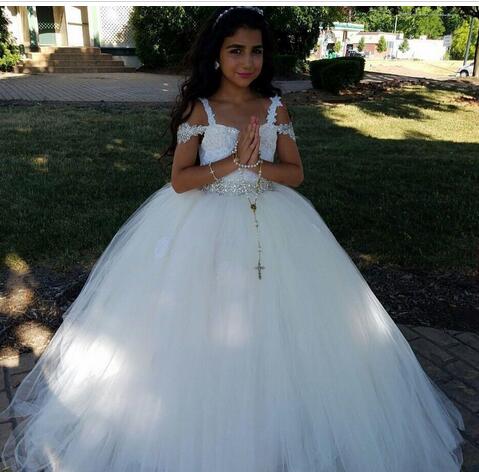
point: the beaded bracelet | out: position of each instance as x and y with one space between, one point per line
244 166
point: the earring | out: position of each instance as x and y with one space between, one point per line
217 64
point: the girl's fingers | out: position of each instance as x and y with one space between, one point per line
250 139
254 149
253 142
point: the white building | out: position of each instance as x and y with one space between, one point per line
106 27
350 34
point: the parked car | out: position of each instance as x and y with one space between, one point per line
465 71
355 53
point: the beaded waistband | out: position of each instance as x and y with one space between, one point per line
238 187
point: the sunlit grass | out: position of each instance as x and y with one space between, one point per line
396 179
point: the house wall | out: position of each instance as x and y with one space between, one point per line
107 27
60 26
425 49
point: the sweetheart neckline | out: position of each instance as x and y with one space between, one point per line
233 127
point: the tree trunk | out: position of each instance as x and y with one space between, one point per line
475 72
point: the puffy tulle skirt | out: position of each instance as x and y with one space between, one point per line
176 357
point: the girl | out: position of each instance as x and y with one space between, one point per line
224 329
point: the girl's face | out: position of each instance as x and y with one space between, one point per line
241 56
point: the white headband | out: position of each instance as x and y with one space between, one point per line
256 9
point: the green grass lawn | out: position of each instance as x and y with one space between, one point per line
396 179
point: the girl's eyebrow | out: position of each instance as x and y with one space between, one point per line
242 46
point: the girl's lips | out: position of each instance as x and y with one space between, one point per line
245 75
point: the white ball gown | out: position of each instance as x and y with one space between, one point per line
177 357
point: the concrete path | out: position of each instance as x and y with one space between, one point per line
450 358
138 87
96 87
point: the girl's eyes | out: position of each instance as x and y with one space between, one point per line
256 51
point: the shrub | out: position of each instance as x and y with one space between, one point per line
340 74
9 56
361 62
316 69
382 45
361 44
9 51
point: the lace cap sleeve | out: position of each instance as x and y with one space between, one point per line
286 128
186 131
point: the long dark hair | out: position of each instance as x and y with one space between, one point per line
205 79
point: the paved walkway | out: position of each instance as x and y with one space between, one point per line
450 358
138 87
96 87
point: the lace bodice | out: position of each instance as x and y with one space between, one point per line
219 140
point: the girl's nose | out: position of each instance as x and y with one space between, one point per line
248 60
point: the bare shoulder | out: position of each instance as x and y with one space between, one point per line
282 114
198 114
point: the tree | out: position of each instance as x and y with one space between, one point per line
382 45
4 33
412 21
361 44
418 21
338 47
376 19
404 46
453 20
9 51
429 22
474 12
297 28
459 40
164 32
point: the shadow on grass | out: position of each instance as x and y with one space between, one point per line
72 176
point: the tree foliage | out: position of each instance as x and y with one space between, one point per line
297 28
163 32
9 51
453 19
459 40
382 46
376 19
4 33
418 21
412 21
404 46
474 12
361 44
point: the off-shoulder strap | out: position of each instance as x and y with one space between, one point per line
282 128
286 128
275 102
209 111
186 131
